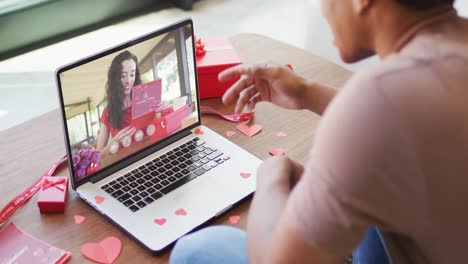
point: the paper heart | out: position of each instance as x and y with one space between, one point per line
160 221
281 134
276 151
249 131
181 211
79 219
234 219
198 131
105 251
245 175
99 199
230 133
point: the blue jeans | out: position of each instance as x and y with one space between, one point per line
224 244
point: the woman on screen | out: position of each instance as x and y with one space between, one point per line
123 74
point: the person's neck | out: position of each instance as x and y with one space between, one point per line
395 29
127 101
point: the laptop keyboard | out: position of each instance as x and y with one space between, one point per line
158 177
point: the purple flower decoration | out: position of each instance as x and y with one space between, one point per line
76 159
96 158
81 173
86 153
84 164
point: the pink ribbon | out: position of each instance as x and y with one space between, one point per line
59 184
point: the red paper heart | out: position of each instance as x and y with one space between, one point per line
276 151
79 219
105 251
230 133
281 134
181 211
99 199
198 131
249 131
234 219
245 175
160 221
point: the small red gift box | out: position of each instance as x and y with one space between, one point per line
53 194
213 56
170 121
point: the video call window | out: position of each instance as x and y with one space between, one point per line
126 101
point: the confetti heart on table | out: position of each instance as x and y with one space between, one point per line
99 199
276 151
234 219
160 221
245 175
230 133
281 134
181 212
249 131
79 219
105 251
198 131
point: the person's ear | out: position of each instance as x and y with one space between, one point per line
362 6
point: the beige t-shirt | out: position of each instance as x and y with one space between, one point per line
392 152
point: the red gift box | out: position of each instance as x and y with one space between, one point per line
53 194
213 56
170 121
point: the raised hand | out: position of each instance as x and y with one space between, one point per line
276 84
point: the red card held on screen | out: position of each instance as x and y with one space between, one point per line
53 194
218 55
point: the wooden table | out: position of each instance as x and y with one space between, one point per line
29 149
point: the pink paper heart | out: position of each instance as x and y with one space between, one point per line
181 212
198 131
160 221
234 219
105 251
276 151
230 133
281 134
245 175
79 219
99 199
249 131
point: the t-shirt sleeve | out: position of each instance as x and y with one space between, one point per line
344 188
105 117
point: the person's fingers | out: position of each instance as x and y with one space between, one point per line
233 92
254 100
265 71
233 73
130 132
121 132
258 70
125 132
244 98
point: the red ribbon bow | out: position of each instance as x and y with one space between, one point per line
59 184
199 47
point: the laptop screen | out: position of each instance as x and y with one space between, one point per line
129 98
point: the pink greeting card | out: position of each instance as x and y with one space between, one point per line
146 98
18 246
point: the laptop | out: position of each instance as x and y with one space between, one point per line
158 174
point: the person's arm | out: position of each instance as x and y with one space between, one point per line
274 84
317 97
275 178
103 137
